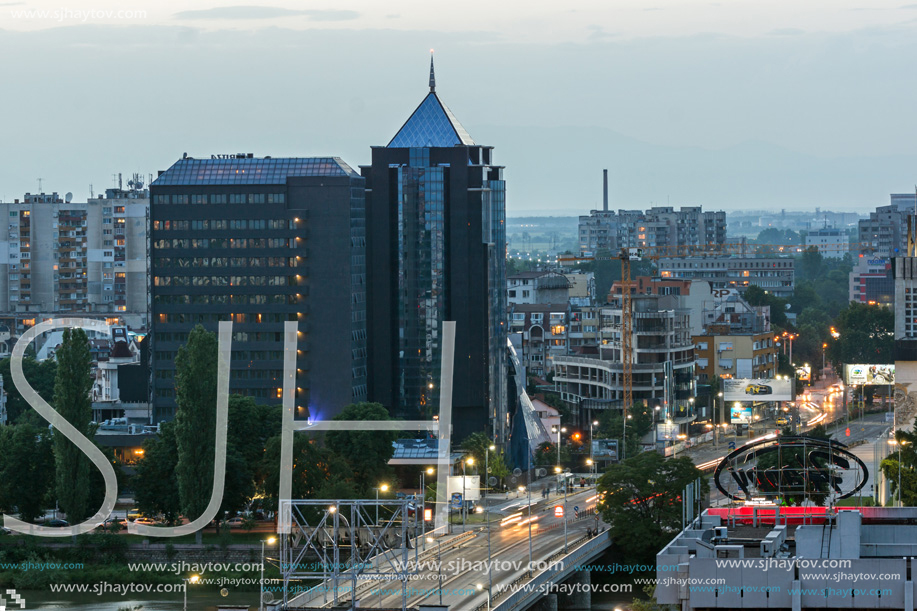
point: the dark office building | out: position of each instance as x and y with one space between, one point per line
437 246
261 242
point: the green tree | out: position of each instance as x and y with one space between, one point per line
639 423
26 470
367 452
903 458
41 375
195 420
155 483
810 265
866 335
642 501
757 296
314 466
71 400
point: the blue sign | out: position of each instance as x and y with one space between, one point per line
456 500
576 508
732 445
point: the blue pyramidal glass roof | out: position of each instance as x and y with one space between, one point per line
250 171
431 125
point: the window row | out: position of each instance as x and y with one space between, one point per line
218 224
225 299
226 243
221 198
226 262
224 280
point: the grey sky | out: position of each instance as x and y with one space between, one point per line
736 104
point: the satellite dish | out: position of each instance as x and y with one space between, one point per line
69 197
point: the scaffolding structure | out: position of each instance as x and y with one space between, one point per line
341 542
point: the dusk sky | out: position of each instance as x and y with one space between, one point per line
738 104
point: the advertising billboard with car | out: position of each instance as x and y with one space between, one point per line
753 389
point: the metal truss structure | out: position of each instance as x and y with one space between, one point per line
341 541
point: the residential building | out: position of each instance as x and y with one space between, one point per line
537 287
260 242
63 257
696 296
886 228
831 243
121 385
736 343
437 252
544 328
662 365
582 288
658 226
773 274
871 280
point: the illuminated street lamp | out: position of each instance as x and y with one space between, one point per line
189 580
383 488
269 541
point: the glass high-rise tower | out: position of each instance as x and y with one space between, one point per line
436 246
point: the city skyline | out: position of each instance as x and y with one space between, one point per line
763 106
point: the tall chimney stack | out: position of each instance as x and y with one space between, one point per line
605 190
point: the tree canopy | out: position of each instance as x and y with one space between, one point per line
865 335
642 501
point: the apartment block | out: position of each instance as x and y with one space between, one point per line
658 226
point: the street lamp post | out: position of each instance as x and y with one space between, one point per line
383 488
188 581
269 541
469 461
561 473
591 451
423 504
490 572
558 430
656 428
439 562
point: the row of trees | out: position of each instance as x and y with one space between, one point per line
39 467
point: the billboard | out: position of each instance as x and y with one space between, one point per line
471 491
755 389
740 414
804 373
605 448
666 430
869 374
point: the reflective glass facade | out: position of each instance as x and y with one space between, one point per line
421 281
436 252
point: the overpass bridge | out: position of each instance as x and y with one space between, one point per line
458 571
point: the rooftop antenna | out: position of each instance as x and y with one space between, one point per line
39 185
91 193
432 75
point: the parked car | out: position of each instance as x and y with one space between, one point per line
133 514
146 521
235 522
57 523
782 421
112 521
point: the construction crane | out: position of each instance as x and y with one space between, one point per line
626 255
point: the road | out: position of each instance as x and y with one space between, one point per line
464 568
